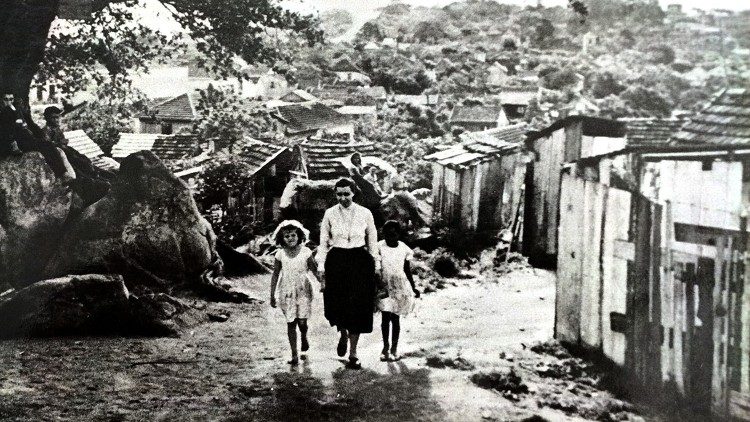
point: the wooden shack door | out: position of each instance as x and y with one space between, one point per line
643 355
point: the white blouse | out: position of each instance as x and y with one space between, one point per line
348 228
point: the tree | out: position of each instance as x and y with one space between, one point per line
661 54
228 119
647 100
222 29
370 31
605 84
117 104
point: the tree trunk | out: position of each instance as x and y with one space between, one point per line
24 25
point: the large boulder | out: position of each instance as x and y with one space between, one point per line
90 304
147 228
33 209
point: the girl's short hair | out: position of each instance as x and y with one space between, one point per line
346 182
392 224
286 225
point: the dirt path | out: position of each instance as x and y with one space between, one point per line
237 370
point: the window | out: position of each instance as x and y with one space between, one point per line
166 128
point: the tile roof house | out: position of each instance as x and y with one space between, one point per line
478 184
171 115
319 159
79 141
478 117
301 120
347 73
650 131
172 149
725 121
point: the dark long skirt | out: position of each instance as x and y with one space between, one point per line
349 296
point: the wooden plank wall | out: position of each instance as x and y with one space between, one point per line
568 308
546 194
592 264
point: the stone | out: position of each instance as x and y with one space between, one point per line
147 228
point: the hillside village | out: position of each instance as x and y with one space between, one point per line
612 152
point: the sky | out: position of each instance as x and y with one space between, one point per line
354 5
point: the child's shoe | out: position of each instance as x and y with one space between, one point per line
384 356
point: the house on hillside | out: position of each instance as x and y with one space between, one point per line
262 84
171 149
347 73
652 275
497 75
478 184
422 100
173 115
564 141
302 120
515 100
79 141
476 118
362 113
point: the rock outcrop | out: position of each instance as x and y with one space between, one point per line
33 208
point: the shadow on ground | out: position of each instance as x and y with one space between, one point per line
401 394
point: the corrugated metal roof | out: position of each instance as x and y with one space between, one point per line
477 147
79 141
726 120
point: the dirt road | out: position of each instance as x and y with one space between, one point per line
236 370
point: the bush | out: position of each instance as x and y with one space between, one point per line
444 263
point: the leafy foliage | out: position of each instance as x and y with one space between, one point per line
117 104
228 118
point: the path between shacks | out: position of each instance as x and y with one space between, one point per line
237 369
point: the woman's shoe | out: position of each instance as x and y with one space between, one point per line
354 364
384 356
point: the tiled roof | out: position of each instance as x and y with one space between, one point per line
725 121
475 114
298 96
179 108
309 117
650 131
260 154
478 147
321 158
345 65
79 141
166 147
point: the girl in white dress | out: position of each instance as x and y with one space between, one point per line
396 279
293 263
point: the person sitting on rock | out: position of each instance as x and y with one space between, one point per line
20 134
91 183
11 125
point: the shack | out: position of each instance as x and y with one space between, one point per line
477 185
652 275
562 142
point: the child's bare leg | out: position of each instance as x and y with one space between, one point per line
396 324
353 340
291 332
304 345
384 329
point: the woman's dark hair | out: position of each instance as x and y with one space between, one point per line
392 224
280 235
345 182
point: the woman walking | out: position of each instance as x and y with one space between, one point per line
347 252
